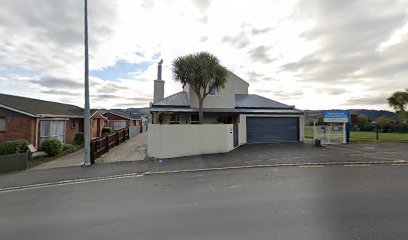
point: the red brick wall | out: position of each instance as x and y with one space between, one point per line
94 127
19 127
72 129
129 123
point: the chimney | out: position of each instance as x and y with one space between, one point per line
158 93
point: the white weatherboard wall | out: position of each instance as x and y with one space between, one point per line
169 141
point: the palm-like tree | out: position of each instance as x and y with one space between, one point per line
203 72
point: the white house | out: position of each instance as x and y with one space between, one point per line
247 118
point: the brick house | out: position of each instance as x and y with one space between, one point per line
35 120
119 120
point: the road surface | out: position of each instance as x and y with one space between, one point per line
331 202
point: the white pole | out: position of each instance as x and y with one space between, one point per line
87 124
329 126
344 132
314 130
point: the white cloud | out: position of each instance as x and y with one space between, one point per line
285 49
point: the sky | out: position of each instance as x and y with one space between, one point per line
314 54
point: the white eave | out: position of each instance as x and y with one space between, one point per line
18 111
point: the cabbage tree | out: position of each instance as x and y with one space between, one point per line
202 72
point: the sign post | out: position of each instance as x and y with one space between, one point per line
339 116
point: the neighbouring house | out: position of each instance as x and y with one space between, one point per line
98 121
36 120
119 120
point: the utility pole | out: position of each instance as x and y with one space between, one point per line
87 124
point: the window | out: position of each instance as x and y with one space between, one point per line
225 119
52 129
119 124
213 92
195 119
174 119
2 124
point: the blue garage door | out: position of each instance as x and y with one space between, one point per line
272 129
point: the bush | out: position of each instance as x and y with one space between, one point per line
107 131
14 146
68 148
52 146
79 138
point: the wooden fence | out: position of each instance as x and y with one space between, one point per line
102 145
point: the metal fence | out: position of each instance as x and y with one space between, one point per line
327 134
102 145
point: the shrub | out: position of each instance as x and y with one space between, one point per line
52 146
14 146
68 148
107 131
79 138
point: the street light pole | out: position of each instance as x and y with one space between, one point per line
87 124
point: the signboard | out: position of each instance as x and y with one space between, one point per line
336 116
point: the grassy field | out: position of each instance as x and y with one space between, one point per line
370 136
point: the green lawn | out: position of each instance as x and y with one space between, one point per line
382 137
370 136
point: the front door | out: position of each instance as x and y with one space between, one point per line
235 135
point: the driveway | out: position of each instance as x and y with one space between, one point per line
294 153
133 149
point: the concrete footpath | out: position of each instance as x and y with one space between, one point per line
133 149
247 156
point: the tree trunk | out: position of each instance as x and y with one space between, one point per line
200 111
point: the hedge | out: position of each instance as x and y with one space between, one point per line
14 146
52 146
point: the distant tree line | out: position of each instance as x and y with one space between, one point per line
398 101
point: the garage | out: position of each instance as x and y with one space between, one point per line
272 129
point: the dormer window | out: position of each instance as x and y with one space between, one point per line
213 92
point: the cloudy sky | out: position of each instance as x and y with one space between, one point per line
315 54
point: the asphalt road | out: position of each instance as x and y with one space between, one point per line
331 202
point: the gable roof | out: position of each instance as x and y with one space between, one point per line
122 115
176 100
256 101
39 108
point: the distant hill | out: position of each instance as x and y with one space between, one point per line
311 115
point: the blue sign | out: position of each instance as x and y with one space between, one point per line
339 116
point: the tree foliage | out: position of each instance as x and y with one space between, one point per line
202 72
399 101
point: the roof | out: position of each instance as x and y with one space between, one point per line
247 101
226 110
176 100
39 108
122 115
259 102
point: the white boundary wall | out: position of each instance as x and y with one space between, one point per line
133 131
168 141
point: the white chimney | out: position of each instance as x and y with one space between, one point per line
158 93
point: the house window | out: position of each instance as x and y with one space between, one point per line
2 124
74 124
119 124
93 122
195 119
225 120
52 129
174 119
214 91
